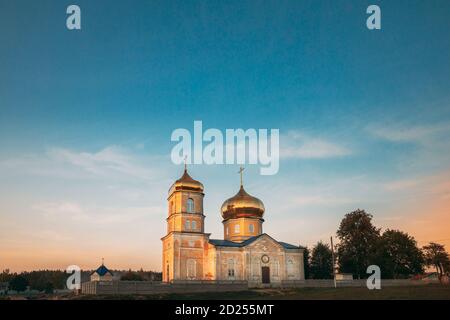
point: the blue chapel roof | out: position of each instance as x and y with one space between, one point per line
227 243
102 270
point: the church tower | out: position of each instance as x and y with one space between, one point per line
183 245
242 216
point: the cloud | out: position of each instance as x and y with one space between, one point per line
301 146
398 185
320 200
432 186
403 133
94 215
111 162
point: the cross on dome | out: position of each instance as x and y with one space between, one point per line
241 170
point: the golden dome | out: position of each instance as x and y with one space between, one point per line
186 183
242 205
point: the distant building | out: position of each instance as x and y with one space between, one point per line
102 274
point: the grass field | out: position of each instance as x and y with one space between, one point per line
428 292
433 292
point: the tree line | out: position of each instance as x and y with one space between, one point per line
49 280
362 244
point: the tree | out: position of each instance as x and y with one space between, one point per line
321 262
6 275
18 283
358 237
435 255
306 262
397 255
48 288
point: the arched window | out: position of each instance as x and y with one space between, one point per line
190 205
191 269
236 228
172 207
231 269
290 268
188 225
276 268
193 225
251 228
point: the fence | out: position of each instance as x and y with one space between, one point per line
192 286
312 283
151 287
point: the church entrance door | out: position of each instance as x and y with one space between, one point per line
265 271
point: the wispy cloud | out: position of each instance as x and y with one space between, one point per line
109 162
404 133
428 145
320 200
298 145
398 185
94 214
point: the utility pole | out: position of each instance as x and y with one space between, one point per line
332 262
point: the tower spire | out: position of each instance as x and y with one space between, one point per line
185 163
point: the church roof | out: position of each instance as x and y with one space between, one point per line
227 243
242 205
289 246
186 183
102 270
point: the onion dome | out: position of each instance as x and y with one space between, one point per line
186 183
242 205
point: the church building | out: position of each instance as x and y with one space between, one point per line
245 253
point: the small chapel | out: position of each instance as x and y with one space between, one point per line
245 253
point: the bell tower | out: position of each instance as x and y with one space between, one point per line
185 239
185 205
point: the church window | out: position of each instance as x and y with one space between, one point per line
190 205
172 207
276 268
226 231
290 268
236 228
194 225
230 268
251 228
188 224
191 269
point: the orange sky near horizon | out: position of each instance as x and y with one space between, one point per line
427 223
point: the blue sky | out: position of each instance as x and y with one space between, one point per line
86 118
